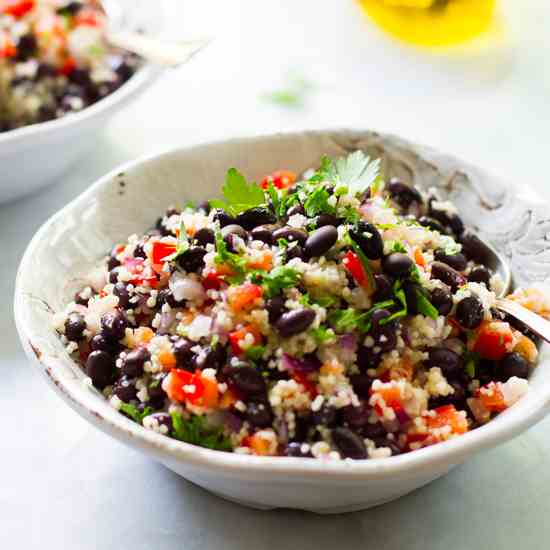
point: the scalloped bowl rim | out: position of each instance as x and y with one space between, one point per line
533 407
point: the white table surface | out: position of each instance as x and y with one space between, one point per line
64 485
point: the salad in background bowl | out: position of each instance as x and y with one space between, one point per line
59 79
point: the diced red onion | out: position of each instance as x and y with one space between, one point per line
305 364
347 342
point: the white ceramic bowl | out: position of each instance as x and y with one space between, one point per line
131 197
36 155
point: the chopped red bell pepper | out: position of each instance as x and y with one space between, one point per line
492 340
68 66
16 8
236 336
447 415
213 280
161 251
243 296
140 275
353 264
185 386
88 17
309 385
281 179
7 47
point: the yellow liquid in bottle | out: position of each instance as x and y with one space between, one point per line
432 23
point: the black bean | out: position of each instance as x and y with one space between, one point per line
213 357
457 398
75 325
125 389
320 241
185 356
294 251
469 312
448 361
384 287
325 416
513 364
432 224
368 238
163 419
294 448
294 322
480 274
404 195
385 442
397 264
223 218
473 247
291 234
45 70
80 300
275 308
456 261
139 251
348 443
246 380
205 236
72 8
234 229
112 262
372 431
157 395
259 415
411 294
100 367
192 260
254 217
264 233
326 219
355 417
361 384
132 363
446 274
113 325
113 275
442 300
26 47
121 291
166 296
367 359
450 220
100 343
296 209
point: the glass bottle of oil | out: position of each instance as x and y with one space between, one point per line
433 23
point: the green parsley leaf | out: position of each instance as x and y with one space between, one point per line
424 305
351 215
277 279
132 411
223 256
197 431
399 293
182 245
357 171
397 246
239 195
317 202
346 320
364 261
326 300
255 353
275 199
305 299
323 335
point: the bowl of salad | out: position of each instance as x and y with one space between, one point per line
303 320
60 80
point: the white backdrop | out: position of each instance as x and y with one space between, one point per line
64 485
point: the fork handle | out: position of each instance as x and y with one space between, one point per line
166 54
539 325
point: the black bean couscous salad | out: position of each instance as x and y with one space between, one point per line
332 316
55 60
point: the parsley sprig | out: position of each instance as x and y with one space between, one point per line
276 280
134 413
239 195
197 431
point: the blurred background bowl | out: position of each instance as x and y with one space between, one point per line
36 155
